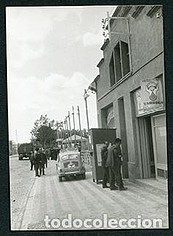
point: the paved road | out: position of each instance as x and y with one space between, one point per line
83 199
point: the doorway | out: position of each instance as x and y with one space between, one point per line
146 148
160 145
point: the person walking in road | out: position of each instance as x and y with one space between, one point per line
37 161
47 153
31 158
114 164
43 161
104 155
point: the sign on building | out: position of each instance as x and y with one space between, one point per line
149 98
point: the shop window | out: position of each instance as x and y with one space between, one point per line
119 65
112 71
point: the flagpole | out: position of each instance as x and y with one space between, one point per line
57 131
79 123
70 128
67 130
62 129
74 124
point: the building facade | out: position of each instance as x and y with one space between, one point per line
131 89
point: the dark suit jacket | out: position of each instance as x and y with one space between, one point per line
43 158
114 158
37 158
104 155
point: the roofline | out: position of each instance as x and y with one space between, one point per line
100 62
106 42
96 78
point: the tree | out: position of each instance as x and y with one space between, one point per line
46 135
45 130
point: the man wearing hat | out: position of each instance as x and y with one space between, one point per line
114 164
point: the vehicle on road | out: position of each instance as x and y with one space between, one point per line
70 163
24 150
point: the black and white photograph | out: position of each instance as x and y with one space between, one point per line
87 118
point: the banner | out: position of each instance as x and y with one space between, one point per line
149 98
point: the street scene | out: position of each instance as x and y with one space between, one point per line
34 198
87 118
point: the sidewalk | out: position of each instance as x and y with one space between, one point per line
21 183
157 186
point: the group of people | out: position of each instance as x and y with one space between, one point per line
38 160
111 163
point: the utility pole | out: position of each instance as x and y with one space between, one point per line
86 95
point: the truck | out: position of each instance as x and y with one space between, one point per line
25 150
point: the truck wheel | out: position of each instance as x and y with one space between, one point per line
60 178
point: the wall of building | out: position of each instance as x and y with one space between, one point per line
125 89
146 42
147 62
146 38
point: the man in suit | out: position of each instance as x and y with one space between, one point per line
104 155
114 163
47 153
37 162
43 161
31 158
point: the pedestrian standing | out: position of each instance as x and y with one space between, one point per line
104 155
114 163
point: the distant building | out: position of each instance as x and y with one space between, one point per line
130 89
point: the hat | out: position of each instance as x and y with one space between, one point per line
117 140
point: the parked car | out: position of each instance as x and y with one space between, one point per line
24 150
68 164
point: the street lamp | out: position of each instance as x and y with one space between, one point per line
86 95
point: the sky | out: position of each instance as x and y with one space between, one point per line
52 56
